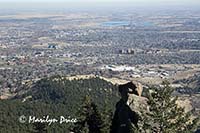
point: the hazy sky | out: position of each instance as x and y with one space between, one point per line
93 1
97 3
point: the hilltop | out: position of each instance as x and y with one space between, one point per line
55 96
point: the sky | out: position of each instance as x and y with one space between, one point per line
108 1
98 3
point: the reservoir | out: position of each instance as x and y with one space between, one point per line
127 23
116 23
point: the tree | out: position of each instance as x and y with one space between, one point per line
164 115
39 128
107 114
89 118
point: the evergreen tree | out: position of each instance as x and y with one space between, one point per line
164 115
89 118
107 114
39 128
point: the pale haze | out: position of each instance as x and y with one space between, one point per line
144 4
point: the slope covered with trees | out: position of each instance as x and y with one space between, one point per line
55 96
92 103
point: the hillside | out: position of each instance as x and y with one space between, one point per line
55 96
191 84
60 96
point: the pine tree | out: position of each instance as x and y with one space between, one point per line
89 118
164 115
107 118
39 128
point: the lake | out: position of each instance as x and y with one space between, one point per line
126 23
116 23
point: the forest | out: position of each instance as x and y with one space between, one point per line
55 96
92 103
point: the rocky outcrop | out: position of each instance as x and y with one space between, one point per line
128 108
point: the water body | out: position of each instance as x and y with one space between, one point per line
116 23
148 24
126 23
